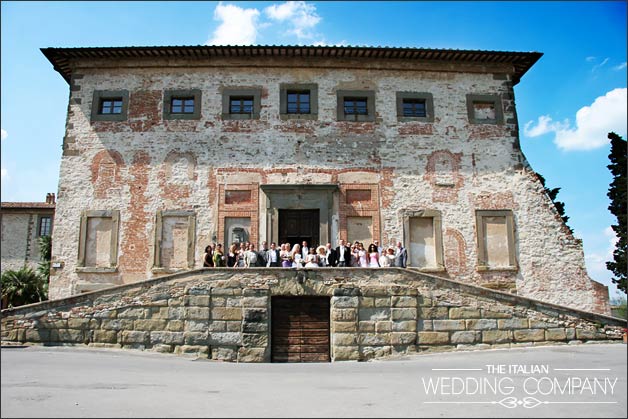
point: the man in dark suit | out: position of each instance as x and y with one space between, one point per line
343 254
331 258
272 256
401 256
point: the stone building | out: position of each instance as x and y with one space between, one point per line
22 225
168 149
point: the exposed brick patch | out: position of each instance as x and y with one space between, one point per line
135 239
145 110
297 127
229 209
443 173
106 170
181 125
355 196
111 126
455 252
254 125
237 197
348 208
416 128
493 201
348 127
486 131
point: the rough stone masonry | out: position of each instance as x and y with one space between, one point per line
225 314
394 144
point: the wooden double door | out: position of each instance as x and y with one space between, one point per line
296 226
300 329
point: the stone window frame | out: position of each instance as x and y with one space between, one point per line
169 94
283 101
495 99
113 251
100 95
255 92
429 106
481 248
159 216
370 105
437 223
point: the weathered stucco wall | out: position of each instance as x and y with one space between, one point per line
225 314
147 164
19 245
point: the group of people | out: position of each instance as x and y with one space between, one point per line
244 255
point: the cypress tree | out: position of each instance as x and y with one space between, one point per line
618 207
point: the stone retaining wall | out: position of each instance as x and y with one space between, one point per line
224 314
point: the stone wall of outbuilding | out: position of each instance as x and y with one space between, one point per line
224 314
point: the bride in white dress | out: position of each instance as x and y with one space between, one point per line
311 260
297 259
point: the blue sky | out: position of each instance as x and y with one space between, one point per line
566 103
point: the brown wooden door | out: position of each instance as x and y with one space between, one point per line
295 226
300 329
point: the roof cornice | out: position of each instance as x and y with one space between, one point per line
61 58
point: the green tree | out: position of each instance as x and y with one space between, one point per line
619 196
26 286
45 252
23 286
560 206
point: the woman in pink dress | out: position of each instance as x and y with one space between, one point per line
362 256
373 256
285 256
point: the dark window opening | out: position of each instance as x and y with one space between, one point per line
355 106
298 102
414 108
182 105
110 106
45 225
241 105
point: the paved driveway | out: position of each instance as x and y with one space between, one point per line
561 381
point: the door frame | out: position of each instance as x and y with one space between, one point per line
273 300
323 197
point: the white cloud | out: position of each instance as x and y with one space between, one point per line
620 66
301 16
544 125
593 123
590 58
3 134
3 173
598 66
324 43
282 11
238 26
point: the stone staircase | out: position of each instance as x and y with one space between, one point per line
225 314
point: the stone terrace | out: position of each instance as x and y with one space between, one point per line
224 314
